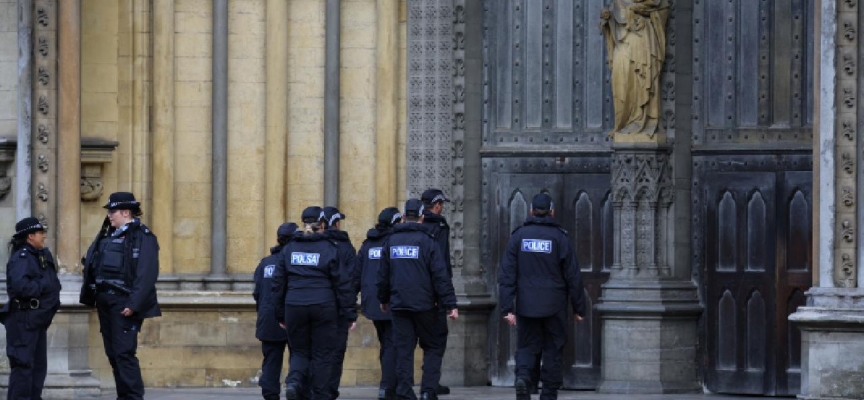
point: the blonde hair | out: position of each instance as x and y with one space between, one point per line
312 227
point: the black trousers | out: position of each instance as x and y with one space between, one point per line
312 339
342 328
120 337
271 369
544 337
387 355
27 352
409 328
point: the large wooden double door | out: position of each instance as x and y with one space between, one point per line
756 246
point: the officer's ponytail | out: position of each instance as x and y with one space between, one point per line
16 243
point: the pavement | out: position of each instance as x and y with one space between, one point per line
458 393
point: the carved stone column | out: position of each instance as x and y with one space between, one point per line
832 323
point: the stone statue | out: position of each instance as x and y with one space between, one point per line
636 44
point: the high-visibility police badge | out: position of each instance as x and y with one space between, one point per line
375 253
268 271
404 252
536 246
307 259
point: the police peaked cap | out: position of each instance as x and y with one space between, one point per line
542 201
312 214
332 214
389 216
286 229
413 208
122 201
27 226
432 196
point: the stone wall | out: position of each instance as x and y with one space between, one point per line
8 110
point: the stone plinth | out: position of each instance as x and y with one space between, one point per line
832 344
649 337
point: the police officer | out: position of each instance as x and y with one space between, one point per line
273 338
539 270
368 261
413 283
347 257
34 297
433 207
308 294
120 274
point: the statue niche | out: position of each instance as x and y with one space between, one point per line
636 44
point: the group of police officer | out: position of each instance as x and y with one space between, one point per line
306 293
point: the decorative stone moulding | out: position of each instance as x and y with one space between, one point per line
95 153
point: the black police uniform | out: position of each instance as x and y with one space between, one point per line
539 271
123 266
368 262
347 259
440 230
273 338
413 281
308 294
34 298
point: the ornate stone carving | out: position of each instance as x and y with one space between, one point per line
42 16
642 195
848 163
849 31
42 192
851 3
848 232
849 64
849 97
43 46
43 76
91 189
44 131
845 277
848 130
848 196
43 163
43 105
628 24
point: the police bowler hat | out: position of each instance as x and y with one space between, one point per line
27 226
542 201
432 196
312 214
332 214
286 229
413 208
389 216
122 201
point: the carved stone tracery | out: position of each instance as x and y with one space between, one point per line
642 195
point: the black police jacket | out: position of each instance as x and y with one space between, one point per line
347 258
267 329
413 275
141 259
440 230
539 269
368 262
32 274
308 273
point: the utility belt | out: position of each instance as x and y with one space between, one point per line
111 286
24 304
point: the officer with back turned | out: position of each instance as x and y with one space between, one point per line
366 275
347 256
413 284
273 338
120 273
538 272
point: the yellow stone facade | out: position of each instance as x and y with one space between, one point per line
275 153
